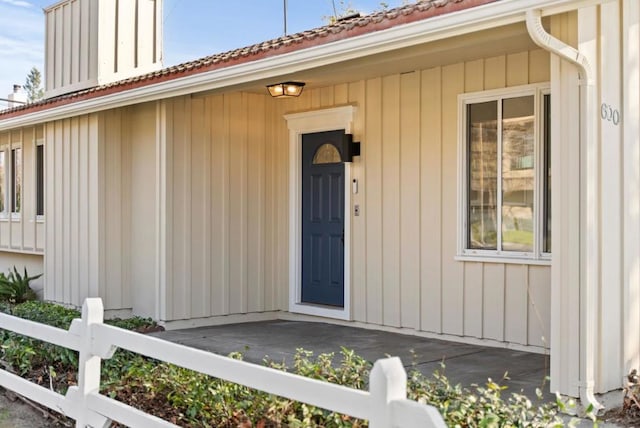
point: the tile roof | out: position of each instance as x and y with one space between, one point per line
342 29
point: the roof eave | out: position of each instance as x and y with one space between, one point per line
450 25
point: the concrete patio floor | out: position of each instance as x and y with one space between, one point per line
465 364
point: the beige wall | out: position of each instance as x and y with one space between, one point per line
72 266
101 209
404 241
225 201
227 204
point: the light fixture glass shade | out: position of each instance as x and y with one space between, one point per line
286 89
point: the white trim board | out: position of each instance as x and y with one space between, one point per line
300 124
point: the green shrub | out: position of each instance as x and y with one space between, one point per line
192 399
15 288
46 313
41 361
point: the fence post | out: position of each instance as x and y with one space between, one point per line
89 365
388 382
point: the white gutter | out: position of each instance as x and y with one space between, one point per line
588 282
466 21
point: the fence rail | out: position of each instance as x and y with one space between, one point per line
384 405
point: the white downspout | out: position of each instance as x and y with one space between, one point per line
588 282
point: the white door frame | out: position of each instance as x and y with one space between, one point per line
299 124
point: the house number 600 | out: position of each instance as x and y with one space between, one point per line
609 113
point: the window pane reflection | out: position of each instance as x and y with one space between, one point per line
518 178
483 183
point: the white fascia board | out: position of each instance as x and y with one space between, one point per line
453 24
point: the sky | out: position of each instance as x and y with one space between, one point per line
192 28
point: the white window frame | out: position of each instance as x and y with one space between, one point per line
498 256
10 177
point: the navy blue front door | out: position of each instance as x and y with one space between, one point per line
323 218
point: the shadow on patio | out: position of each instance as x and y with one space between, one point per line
465 364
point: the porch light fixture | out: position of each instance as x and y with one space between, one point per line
286 89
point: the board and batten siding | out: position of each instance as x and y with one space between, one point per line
91 42
224 200
88 209
409 171
227 206
404 240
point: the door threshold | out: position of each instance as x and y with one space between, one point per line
326 311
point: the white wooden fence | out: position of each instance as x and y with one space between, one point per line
384 405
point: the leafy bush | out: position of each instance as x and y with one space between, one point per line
51 364
15 288
192 399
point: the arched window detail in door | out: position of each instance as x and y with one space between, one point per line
327 153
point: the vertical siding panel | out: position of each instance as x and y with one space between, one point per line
184 138
164 212
473 299
198 212
495 72
255 202
50 54
146 36
283 214
114 183
125 196
431 200
83 207
179 199
452 271
96 212
126 35
92 50
58 216
75 42
270 205
516 303
356 96
66 213
74 280
84 37
539 66
316 98
342 94
237 206
220 206
493 301
143 240
50 197
326 96
539 306
372 157
391 200
59 43
207 211
474 76
518 69
410 200
67 42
